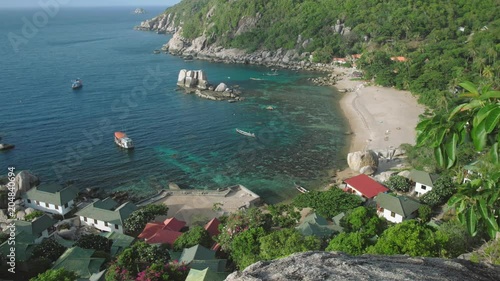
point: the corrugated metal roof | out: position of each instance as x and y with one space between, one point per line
400 205
52 193
366 185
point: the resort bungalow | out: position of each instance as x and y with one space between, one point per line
106 215
27 235
424 182
199 257
315 225
364 186
165 232
52 198
205 275
396 209
82 262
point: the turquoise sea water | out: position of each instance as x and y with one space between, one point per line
65 135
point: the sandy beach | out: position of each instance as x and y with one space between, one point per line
379 117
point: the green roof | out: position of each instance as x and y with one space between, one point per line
24 246
214 265
204 275
79 261
37 226
104 210
337 218
197 252
422 177
120 241
308 229
315 219
52 193
400 205
62 241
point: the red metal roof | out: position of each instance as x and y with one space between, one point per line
164 236
366 185
174 224
213 227
150 229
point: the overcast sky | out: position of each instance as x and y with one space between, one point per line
87 3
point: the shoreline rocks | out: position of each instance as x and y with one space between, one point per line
195 81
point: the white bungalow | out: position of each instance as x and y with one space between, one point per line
396 209
52 198
424 182
106 215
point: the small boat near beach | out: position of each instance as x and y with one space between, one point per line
301 189
122 140
77 84
245 133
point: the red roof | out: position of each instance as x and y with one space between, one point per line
366 185
174 224
162 232
164 236
213 227
150 229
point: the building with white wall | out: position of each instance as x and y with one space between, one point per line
106 215
51 198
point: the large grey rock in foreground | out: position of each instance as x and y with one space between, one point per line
333 266
24 181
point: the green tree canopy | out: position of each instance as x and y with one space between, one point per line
281 243
245 247
139 218
353 243
194 236
364 220
48 249
95 242
328 203
60 274
398 183
407 238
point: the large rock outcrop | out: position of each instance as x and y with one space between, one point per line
361 159
334 266
192 79
24 181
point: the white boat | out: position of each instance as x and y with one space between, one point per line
301 189
245 133
122 140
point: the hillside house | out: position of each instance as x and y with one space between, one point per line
165 232
396 209
52 198
424 182
106 215
364 186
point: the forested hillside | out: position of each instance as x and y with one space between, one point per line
444 42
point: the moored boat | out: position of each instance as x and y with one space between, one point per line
301 189
77 84
122 140
245 133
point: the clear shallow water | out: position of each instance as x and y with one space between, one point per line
65 135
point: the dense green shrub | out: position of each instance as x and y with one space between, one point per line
398 183
194 236
139 218
48 249
328 203
95 242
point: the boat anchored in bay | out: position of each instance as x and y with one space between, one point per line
245 133
76 84
301 189
122 140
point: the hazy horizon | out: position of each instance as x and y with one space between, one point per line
86 3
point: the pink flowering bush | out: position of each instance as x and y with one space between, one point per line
172 271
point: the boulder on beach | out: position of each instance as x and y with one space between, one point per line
357 160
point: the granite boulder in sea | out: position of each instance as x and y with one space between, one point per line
196 81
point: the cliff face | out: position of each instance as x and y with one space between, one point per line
332 266
162 24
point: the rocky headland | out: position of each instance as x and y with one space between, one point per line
200 48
